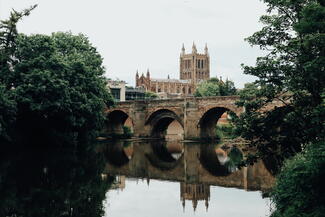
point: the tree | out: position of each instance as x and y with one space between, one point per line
291 73
215 87
59 86
8 35
299 189
150 95
52 99
52 87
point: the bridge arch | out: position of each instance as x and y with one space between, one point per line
161 121
116 119
209 120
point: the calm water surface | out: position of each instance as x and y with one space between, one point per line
183 179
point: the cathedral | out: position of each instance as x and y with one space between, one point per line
194 68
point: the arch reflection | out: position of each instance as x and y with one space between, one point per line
119 153
165 155
220 161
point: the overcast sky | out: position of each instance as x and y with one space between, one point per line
141 34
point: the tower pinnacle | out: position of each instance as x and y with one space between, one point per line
194 50
183 50
206 49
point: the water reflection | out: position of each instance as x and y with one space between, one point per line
220 161
52 181
195 193
120 153
196 167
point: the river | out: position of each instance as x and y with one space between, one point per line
157 178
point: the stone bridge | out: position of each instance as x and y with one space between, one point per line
197 116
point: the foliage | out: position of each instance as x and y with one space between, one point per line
8 107
215 87
219 133
292 74
52 96
150 95
60 85
127 132
300 190
52 85
7 115
8 35
225 131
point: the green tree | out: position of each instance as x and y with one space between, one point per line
150 95
59 86
215 87
8 35
52 86
291 73
299 189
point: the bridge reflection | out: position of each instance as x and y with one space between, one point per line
195 166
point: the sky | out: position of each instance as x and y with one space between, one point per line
136 35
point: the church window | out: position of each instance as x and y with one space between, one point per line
189 91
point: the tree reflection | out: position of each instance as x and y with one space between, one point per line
63 181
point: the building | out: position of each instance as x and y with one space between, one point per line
117 89
137 93
121 92
194 68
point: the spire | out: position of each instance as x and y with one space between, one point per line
206 204
148 181
183 50
137 79
168 77
148 73
194 203
206 49
194 50
183 204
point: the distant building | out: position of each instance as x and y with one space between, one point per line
117 89
194 68
132 93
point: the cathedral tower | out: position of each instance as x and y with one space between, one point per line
195 66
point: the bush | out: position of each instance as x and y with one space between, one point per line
127 133
225 131
300 188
